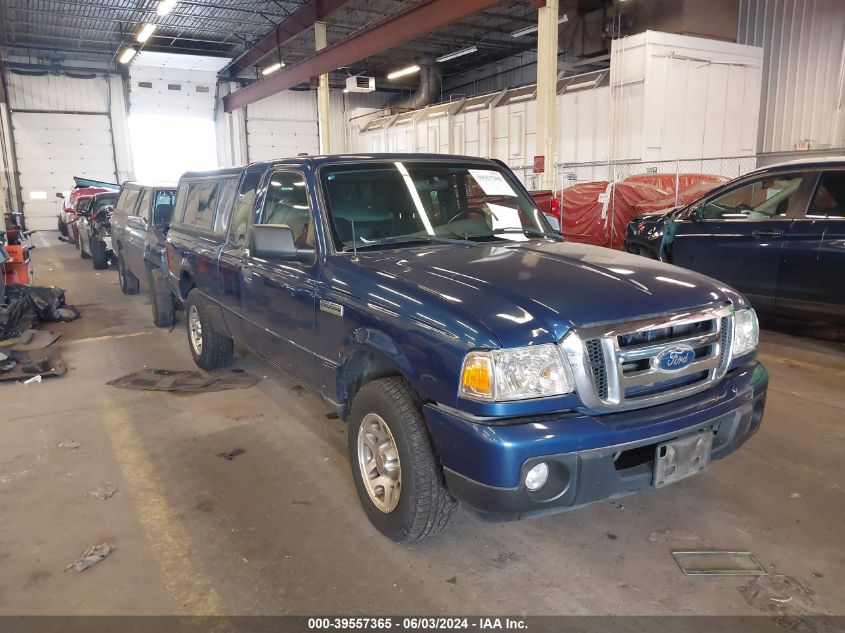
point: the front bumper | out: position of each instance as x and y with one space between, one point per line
591 458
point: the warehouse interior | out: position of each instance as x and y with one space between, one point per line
630 130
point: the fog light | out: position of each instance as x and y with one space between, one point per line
537 476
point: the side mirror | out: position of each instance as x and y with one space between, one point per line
60 195
555 223
276 241
695 215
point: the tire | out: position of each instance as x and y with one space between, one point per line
128 281
425 505
82 252
98 254
161 299
210 349
62 228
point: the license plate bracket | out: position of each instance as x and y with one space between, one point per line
681 458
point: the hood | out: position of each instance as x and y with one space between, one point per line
535 291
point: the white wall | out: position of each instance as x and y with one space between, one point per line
675 96
670 97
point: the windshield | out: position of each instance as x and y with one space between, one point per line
395 203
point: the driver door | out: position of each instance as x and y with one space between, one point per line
736 235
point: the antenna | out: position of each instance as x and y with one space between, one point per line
354 242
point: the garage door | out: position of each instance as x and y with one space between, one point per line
51 150
283 126
61 129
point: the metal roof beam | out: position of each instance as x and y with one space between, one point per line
396 29
298 22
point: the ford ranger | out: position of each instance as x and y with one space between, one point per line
475 355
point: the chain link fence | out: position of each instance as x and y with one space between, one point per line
567 174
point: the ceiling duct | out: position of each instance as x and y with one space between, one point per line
428 92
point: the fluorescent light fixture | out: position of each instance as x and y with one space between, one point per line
127 55
410 70
37 195
166 6
460 53
273 68
531 29
144 34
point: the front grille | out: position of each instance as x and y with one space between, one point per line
597 365
619 363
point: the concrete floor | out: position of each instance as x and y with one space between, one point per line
279 530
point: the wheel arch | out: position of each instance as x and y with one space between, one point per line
373 356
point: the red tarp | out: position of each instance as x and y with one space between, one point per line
685 196
598 212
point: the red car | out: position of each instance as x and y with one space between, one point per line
67 216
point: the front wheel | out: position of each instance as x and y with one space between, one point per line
82 252
398 478
98 254
210 349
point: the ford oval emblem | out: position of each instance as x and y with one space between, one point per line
675 358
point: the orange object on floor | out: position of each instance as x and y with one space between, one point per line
16 270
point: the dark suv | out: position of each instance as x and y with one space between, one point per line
139 225
777 235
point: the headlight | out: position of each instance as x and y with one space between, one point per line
746 332
515 374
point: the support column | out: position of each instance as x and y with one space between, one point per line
323 93
547 26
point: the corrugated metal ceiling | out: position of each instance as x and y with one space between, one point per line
228 27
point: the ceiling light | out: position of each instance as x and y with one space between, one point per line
273 68
410 70
126 55
166 6
144 34
460 53
531 29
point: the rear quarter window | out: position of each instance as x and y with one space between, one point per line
201 204
127 200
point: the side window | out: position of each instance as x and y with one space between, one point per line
181 198
762 199
127 201
829 199
143 210
201 203
206 204
164 204
243 207
228 189
287 203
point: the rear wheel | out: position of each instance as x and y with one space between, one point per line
128 281
398 478
98 254
161 299
210 349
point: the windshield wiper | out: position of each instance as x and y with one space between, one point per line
406 240
518 229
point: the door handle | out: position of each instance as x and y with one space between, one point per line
767 234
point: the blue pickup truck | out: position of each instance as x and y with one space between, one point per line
476 357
